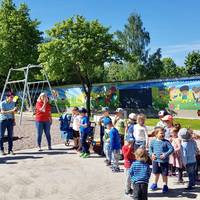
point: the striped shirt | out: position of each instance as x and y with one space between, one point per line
161 147
139 172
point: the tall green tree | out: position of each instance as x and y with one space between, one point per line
82 47
153 67
19 37
123 72
134 38
192 63
171 70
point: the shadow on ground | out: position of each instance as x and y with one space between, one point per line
7 159
176 193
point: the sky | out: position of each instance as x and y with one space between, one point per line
173 24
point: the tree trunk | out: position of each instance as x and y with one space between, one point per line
88 94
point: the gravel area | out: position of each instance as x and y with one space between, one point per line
25 135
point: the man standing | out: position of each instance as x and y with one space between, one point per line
7 121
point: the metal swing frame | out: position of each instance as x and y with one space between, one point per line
27 83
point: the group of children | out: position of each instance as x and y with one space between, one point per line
167 149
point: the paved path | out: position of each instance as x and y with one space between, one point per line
61 175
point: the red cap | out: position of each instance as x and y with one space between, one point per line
167 118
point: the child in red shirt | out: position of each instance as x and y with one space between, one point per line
128 153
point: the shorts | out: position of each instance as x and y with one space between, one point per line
160 168
76 134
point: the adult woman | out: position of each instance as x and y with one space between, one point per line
43 119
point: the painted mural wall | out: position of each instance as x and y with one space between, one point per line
180 94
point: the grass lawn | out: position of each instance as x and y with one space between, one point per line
185 123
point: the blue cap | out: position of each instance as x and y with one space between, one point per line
107 121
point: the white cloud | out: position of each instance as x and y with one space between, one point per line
178 51
178 48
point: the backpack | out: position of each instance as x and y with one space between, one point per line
65 121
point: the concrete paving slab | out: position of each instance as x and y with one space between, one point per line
62 174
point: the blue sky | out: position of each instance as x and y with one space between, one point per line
173 24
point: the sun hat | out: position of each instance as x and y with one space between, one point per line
105 109
132 116
167 118
184 134
162 113
119 110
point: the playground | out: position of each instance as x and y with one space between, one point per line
60 173
94 106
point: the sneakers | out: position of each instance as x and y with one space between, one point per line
116 169
189 188
130 192
49 148
81 154
85 155
165 189
108 163
39 149
2 153
154 187
11 153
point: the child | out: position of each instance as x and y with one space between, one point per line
175 159
159 150
161 115
128 153
120 123
189 152
106 140
76 126
102 125
132 121
140 132
84 131
115 145
168 120
140 174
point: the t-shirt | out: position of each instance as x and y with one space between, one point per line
84 125
6 106
161 124
168 132
115 141
76 122
43 115
140 133
120 126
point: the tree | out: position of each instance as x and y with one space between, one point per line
171 70
19 37
192 63
123 72
134 38
81 47
153 67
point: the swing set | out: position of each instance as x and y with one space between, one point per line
27 91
